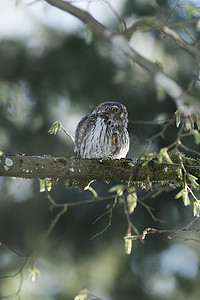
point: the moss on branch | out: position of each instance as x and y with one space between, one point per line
74 168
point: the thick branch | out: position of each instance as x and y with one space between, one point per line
185 103
89 169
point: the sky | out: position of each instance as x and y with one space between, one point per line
24 19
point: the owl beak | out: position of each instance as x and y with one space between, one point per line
121 115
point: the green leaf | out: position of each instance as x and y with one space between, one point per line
192 180
131 164
180 173
185 196
178 118
119 189
197 136
128 242
89 35
122 26
82 295
164 155
148 158
45 184
48 184
179 195
191 10
42 185
189 124
131 199
55 127
196 208
121 200
34 272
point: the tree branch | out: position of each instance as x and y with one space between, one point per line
185 103
89 169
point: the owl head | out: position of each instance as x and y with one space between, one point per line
114 110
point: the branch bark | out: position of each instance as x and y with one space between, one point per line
90 169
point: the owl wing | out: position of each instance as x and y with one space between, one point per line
80 133
88 136
85 136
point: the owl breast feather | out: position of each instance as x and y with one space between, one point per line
105 139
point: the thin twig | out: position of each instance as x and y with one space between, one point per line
54 204
106 212
150 212
186 239
181 145
159 134
51 227
130 224
109 220
185 228
90 201
68 134
172 11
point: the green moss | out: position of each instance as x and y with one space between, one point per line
62 160
114 162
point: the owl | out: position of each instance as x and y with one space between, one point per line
103 133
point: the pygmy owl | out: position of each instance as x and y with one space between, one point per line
103 133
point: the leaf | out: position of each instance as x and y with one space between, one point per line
178 118
42 185
179 195
197 136
164 155
184 194
119 189
196 208
55 127
131 164
192 180
191 122
180 173
191 10
121 200
82 295
131 199
148 158
34 272
128 242
188 125
122 26
48 184
89 35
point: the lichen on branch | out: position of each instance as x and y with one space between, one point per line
73 168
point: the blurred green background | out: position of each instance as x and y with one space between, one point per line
49 70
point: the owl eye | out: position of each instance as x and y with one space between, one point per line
114 108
